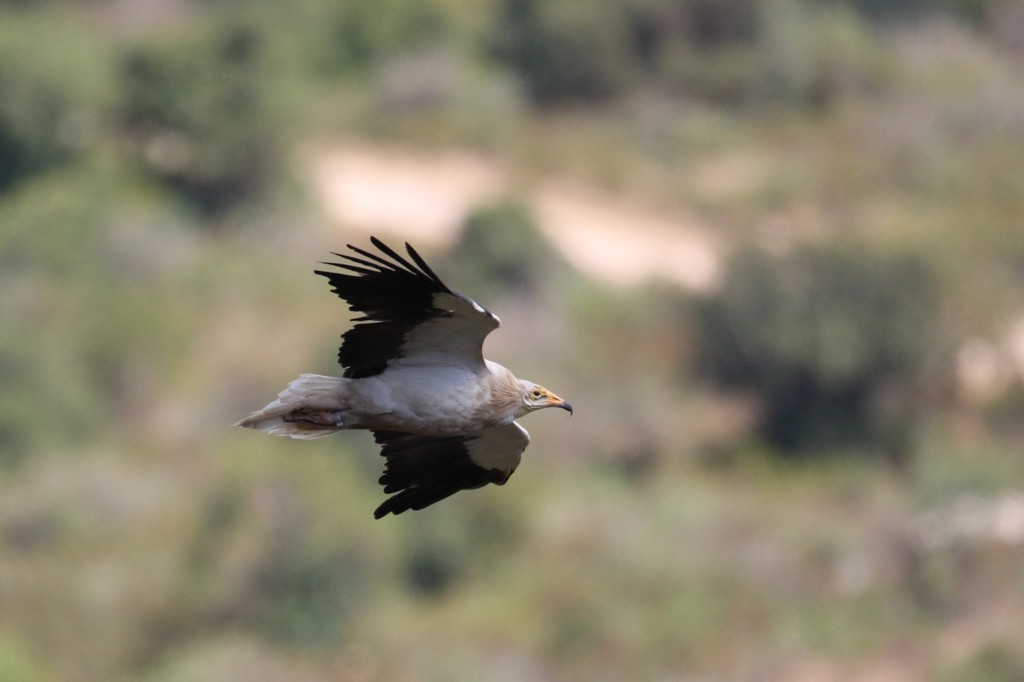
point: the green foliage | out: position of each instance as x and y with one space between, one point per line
565 49
953 470
52 87
200 110
815 54
451 545
592 51
905 11
360 35
328 42
832 340
501 251
48 235
65 372
304 596
143 538
788 51
17 665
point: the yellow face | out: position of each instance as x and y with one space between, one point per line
538 397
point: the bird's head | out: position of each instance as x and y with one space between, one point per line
537 398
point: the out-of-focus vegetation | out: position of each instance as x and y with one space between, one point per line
833 341
812 471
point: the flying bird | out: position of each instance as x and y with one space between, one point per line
414 375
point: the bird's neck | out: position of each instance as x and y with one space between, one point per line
506 401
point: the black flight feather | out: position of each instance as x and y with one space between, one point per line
422 470
394 296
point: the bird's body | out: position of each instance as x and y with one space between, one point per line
414 375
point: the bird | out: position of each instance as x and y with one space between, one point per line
445 417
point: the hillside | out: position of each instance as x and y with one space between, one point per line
772 252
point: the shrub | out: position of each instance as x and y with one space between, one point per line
502 250
833 340
360 35
903 11
201 115
814 55
566 50
785 50
52 86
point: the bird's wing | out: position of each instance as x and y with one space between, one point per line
407 312
422 470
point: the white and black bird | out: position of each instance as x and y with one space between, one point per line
415 376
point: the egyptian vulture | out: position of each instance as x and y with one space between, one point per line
415 376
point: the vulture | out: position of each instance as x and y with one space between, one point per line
415 375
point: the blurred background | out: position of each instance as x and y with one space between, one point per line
771 250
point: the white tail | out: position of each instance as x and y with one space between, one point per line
311 407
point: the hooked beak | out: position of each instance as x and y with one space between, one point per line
565 405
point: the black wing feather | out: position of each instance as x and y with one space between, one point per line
394 296
422 470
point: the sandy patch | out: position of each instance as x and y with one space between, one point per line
425 198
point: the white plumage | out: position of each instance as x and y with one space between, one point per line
415 375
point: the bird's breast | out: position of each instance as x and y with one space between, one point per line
425 400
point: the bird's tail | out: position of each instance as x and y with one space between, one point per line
312 406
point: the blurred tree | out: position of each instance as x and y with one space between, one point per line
52 85
786 50
833 340
814 55
704 24
914 10
201 114
704 49
359 34
346 39
501 250
566 50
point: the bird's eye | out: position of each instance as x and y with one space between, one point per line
536 394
